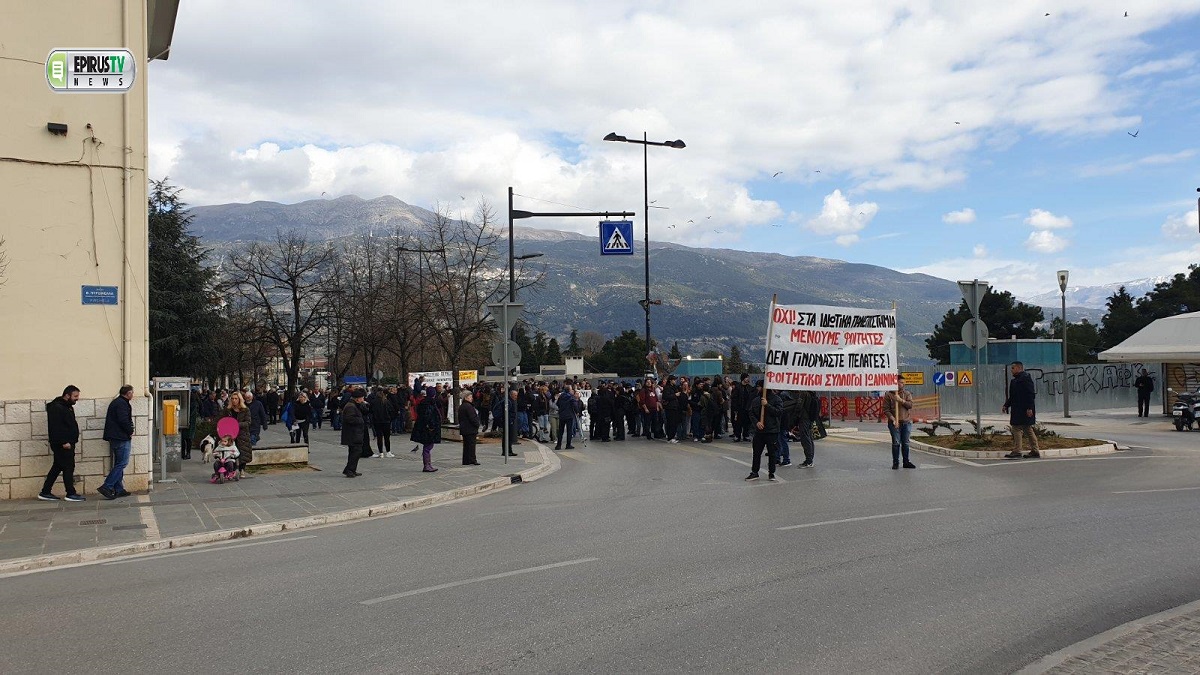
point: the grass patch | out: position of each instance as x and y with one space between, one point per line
267 469
1005 443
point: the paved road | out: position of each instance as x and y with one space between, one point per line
645 557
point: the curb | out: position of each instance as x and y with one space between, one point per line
1107 448
1051 661
550 463
833 431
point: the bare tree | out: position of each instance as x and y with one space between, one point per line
591 342
288 281
364 297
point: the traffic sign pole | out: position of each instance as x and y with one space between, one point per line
973 292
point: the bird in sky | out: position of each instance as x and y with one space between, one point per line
462 198
691 221
670 227
719 231
1126 15
1135 134
322 194
1047 13
817 171
653 201
958 122
708 217
776 224
776 174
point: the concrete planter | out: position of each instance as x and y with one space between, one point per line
267 455
1108 447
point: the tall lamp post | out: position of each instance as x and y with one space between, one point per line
677 144
1062 286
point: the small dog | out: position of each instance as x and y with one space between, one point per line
207 446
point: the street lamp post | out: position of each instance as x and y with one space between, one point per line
677 144
1062 286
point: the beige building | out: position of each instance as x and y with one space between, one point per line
73 187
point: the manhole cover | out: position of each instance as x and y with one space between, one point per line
140 526
97 521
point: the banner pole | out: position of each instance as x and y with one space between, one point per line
762 410
897 397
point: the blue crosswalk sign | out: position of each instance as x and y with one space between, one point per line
616 237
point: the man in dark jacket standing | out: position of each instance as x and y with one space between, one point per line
270 401
766 435
1022 413
118 431
566 418
258 417
1145 386
63 432
354 432
468 427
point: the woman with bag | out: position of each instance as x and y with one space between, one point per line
427 430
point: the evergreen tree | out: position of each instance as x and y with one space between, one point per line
674 354
520 335
1004 315
182 309
624 355
735 364
1083 340
1168 298
539 348
710 354
1121 320
573 348
553 356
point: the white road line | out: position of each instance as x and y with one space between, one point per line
738 461
960 460
490 577
777 467
1138 492
210 549
854 520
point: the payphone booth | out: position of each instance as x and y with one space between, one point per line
172 400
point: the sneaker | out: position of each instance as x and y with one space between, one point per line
674 440
107 493
389 455
770 476
47 498
752 476
75 498
124 493
785 462
806 465
1033 454
909 465
430 469
895 466
1013 455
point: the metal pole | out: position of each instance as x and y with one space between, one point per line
504 445
978 404
646 221
512 284
1066 388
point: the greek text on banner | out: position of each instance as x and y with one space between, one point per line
831 348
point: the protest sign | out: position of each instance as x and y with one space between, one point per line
831 348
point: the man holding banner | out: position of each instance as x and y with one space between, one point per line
897 406
766 435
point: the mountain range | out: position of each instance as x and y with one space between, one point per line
1095 297
711 298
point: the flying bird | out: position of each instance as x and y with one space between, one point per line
322 194
1135 134
776 174
776 224
719 231
653 201
1047 13
817 171
708 217
462 198
691 221
1126 15
958 122
670 227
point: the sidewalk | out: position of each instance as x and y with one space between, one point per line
194 506
1168 642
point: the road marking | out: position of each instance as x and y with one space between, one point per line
960 460
852 441
476 580
210 549
578 457
1138 492
738 461
777 468
146 515
855 520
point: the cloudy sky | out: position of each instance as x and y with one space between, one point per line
965 138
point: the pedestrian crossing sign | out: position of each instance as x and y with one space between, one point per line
616 237
964 378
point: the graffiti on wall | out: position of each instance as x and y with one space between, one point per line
1091 378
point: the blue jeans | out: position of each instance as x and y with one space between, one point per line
120 455
523 423
900 440
785 452
254 436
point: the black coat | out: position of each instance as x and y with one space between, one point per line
354 425
382 410
258 415
61 426
428 426
118 421
1021 394
468 419
774 412
566 406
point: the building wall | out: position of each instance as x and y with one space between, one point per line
74 214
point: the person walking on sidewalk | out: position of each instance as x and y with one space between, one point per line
301 417
468 427
118 431
63 432
354 432
428 428
766 435
1022 412
383 413
897 406
1145 386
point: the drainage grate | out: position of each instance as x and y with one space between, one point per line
97 521
140 526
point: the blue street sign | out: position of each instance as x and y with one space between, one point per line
352 380
616 237
939 379
99 295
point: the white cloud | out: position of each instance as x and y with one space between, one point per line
1113 168
963 217
1182 227
1041 219
1044 241
1161 66
980 251
840 217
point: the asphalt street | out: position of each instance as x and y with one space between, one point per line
648 557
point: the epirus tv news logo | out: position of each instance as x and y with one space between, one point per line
90 70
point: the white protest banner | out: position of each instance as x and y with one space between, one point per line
831 348
433 377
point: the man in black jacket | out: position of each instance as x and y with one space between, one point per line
1145 386
468 427
766 435
1022 412
63 432
118 431
258 417
354 432
270 401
